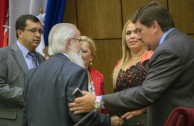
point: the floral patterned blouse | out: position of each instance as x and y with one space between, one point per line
131 77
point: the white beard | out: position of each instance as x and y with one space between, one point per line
76 58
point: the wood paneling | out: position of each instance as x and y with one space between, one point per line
70 12
108 53
192 36
103 20
100 19
183 13
130 6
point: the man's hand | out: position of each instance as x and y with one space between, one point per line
116 121
129 115
83 104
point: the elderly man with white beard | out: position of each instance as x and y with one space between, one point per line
48 88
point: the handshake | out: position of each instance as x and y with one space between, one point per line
86 104
116 121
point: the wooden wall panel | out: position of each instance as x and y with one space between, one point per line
103 21
130 6
99 19
108 53
192 36
183 14
70 12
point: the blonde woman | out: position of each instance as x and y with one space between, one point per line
129 71
95 78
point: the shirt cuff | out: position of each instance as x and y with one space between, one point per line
99 99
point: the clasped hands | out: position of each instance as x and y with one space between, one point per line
86 104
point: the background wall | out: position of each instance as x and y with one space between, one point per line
103 21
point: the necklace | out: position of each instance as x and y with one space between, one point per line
131 62
89 77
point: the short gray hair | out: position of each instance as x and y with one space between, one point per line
58 37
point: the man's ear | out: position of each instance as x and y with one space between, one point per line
155 26
68 45
19 33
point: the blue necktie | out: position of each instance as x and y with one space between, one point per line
34 57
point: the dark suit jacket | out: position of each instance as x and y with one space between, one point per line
48 91
169 83
13 69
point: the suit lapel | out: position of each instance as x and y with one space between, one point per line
17 54
40 58
95 80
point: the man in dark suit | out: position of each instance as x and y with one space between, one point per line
169 82
49 87
14 64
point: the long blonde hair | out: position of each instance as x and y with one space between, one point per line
126 55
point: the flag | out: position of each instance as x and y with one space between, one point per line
16 9
21 7
3 13
42 44
37 8
5 38
6 26
54 14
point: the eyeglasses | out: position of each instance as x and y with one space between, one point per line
76 39
40 31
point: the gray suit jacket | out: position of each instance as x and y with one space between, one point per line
13 69
169 83
48 91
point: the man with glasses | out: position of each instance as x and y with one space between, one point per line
15 61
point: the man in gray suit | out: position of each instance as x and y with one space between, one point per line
14 64
169 82
49 87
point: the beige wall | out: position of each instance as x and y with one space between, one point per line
103 21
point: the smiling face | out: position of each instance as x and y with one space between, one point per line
28 38
131 37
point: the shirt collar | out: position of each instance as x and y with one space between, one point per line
164 36
66 55
23 49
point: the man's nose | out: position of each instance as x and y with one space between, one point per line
139 37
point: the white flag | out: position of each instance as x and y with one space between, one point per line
21 7
35 6
16 9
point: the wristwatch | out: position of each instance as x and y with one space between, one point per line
98 103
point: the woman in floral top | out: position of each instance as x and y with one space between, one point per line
129 71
